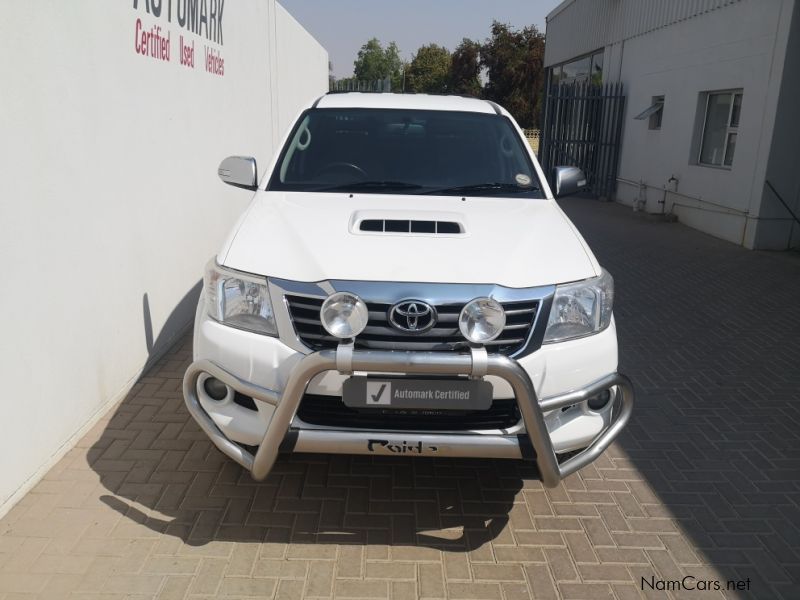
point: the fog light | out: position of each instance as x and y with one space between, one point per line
482 320
600 400
344 315
215 389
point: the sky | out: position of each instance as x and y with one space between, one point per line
343 26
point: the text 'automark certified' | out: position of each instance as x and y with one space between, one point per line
452 394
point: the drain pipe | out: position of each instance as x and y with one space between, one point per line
663 202
641 200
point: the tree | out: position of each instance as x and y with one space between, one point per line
514 63
429 70
465 69
375 63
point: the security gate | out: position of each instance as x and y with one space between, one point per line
582 127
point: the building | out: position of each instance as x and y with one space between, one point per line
711 126
114 118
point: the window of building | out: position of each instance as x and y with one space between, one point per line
597 68
653 113
584 68
578 69
720 128
555 75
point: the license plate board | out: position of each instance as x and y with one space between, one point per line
402 393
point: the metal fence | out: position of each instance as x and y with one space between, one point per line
534 137
355 85
583 128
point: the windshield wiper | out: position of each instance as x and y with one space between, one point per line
511 188
367 185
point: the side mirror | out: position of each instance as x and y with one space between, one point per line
239 171
568 180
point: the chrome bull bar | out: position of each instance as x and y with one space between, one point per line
345 360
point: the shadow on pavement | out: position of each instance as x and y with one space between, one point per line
710 334
163 474
167 477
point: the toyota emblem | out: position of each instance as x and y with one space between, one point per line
412 316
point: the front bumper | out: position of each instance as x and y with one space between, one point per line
534 445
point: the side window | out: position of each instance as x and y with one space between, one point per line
655 118
720 128
653 113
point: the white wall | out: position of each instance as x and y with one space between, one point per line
776 228
297 43
739 46
577 27
110 203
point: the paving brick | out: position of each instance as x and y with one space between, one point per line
175 587
515 591
541 581
456 566
349 561
518 554
403 590
247 586
474 591
585 591
580 547
354 588
431 581
561 565
280 569
290 589
497 572
390 570
209 577
133 584
320 579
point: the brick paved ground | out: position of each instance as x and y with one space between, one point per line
704 482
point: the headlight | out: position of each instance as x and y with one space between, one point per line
581 309
239 300
482 320
344 315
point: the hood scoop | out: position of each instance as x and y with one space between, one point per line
429 224
398 226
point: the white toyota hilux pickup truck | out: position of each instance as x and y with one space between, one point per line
404 283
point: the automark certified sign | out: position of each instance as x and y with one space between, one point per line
417 394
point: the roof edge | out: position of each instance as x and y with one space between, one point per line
554 13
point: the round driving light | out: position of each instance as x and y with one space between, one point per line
482 320
344 315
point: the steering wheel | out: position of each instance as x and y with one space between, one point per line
341 166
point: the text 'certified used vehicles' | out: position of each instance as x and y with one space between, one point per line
403 283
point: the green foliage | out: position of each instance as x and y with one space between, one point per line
465 69
514 61
375 62
429 70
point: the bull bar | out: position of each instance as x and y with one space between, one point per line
346 360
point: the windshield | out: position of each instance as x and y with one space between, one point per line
387 151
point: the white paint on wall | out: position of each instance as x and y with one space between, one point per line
730 48
110 201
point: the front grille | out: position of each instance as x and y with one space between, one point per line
380 335
330 411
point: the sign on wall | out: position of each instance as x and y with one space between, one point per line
194 22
